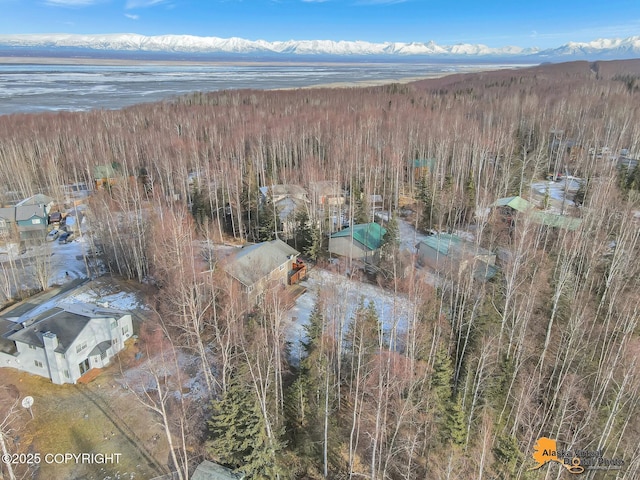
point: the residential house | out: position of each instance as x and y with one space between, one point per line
508 207
110 174
32 221
361 242
7 221
418 168
327 193
287 200
280 192
63 343
29 217
451 254
38 199
212 471
328 203
261 266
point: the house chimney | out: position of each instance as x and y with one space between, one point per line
50 340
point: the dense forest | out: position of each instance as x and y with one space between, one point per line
482 369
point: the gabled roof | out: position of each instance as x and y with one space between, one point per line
110 170
66 323
368 234
453 246
325 187
37 199
284 190
543 218
288 206
558 221
212 471
253 262
25 212
517 203
100 348
8 214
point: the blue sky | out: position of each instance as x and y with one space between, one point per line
541 23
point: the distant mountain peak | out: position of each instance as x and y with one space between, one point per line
131 42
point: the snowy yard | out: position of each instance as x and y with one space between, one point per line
343 296
560 193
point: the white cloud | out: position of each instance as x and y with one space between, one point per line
143 3
131 16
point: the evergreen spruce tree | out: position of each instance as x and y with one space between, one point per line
389 261
456 431
232 426
429 211
441 379
303 236
361 207
314 249
238 437
470 199
507 456
267 221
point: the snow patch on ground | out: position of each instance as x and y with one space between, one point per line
394 311
174 374
125 301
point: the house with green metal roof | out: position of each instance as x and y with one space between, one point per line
540 217
517 203
452 255
361 241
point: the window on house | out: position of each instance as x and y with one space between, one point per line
125 329
32 347
66 374
38 364
281 267
114 324
103 355
35 221
81 347
114 341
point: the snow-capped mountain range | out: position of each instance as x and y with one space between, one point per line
620 48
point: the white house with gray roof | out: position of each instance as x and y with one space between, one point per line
63 343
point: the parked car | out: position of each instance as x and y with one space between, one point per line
66 237
52 235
